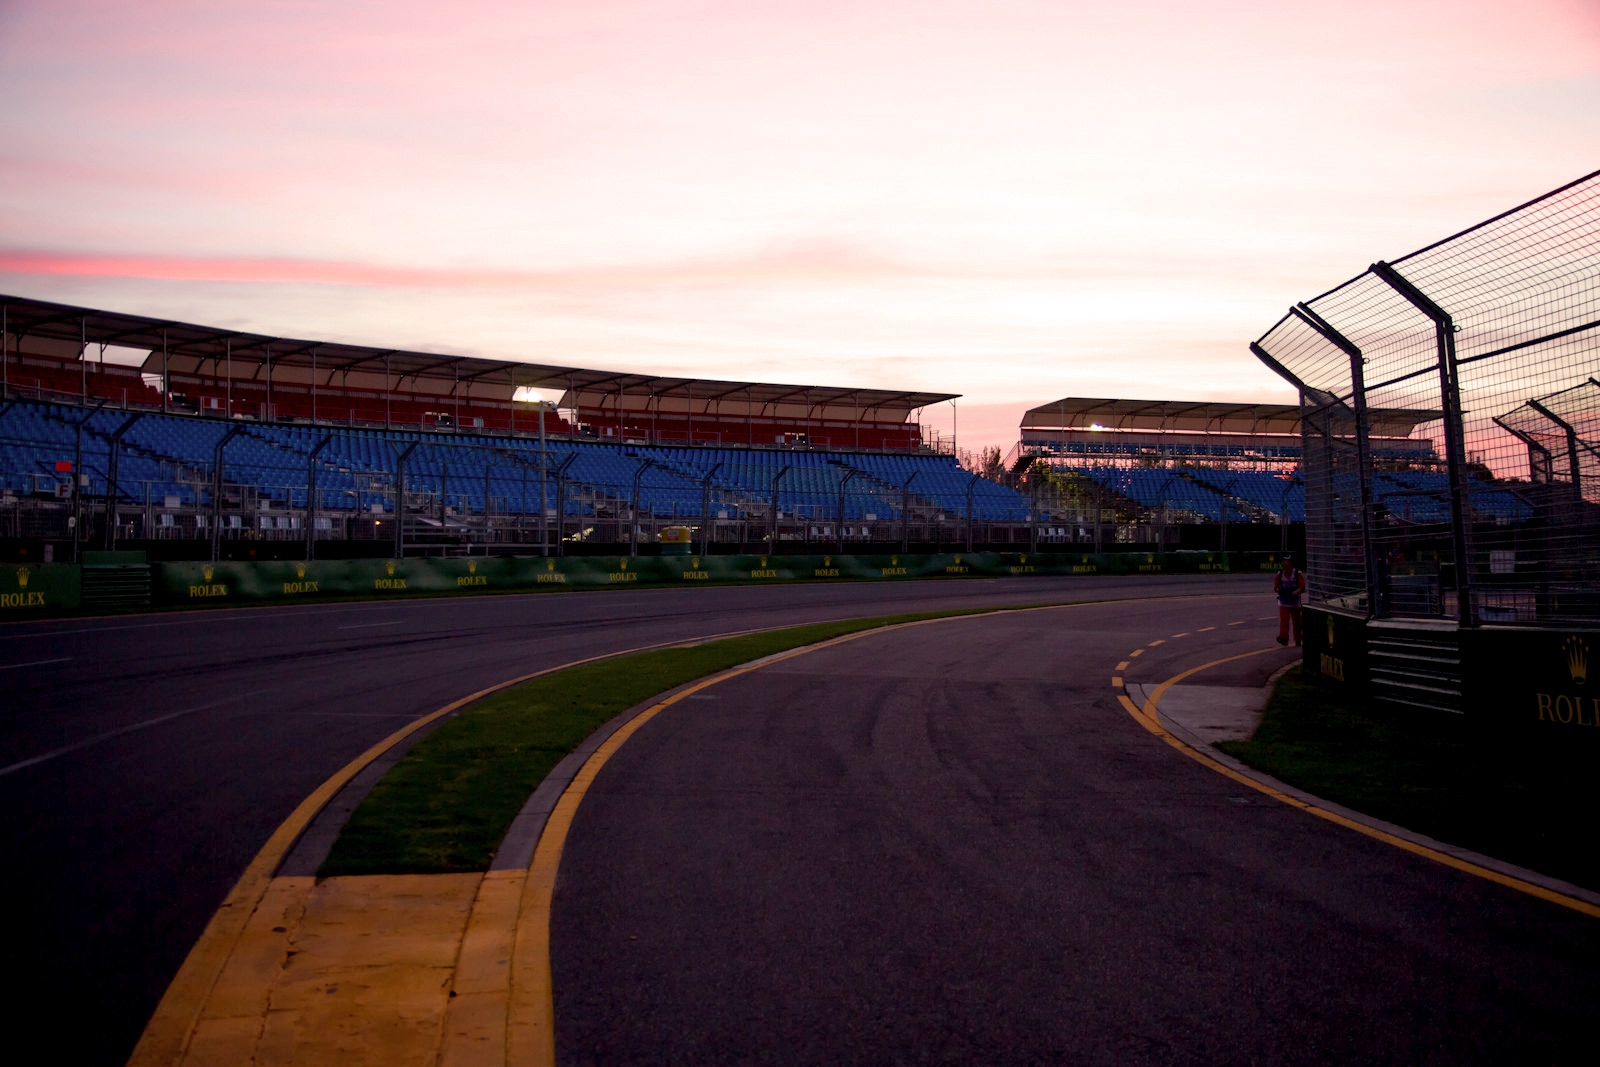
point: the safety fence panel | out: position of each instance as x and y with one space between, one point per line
1451 421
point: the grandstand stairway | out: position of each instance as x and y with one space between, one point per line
1414 665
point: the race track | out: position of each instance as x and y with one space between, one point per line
145 759
952 844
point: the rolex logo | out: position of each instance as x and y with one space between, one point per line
550 565
958 561
624 565
827 561
299 570
894 561
389 566
1023 559
694 564
207 571
763 561
1330 631
22 577
1577 659
472 566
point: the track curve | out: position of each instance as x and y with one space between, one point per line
145 759
950 843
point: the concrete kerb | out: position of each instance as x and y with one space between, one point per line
1207 748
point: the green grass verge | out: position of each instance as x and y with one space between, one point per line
447 803
1433 773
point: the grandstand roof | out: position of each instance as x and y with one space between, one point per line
216 352
1079 413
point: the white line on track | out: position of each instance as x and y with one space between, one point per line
33 663
108 735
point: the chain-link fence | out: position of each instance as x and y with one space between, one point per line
1450 417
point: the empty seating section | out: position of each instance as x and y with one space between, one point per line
172 459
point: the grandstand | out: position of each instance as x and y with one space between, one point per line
1172 473
218 443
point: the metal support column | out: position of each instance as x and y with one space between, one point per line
705 510
838 527
216 490
1454 435
905 512
400 499
113 476
1572 449
311 496
544 535
633 510
1369 501
772 533
972 484
561 502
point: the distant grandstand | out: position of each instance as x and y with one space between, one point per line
1175 473
219 443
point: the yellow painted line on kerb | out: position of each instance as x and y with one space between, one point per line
166 1036
1147 717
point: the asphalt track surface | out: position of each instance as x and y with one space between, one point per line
144 760
951 844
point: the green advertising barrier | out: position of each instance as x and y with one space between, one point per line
36 588
1335 646
235 581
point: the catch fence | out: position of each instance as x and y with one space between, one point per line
1486 346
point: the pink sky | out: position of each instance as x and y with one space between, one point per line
1015 201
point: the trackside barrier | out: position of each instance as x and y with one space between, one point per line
1516 681
39 588
200 583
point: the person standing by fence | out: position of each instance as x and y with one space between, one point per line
1289 583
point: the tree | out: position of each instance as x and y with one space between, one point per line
990 465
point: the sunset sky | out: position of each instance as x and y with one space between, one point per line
1011 200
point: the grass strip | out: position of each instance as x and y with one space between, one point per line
446 805
1516 798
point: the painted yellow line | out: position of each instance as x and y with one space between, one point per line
1116 680
1203 629
167 1034
1122 666
1136 652
1184 634
1157 641
1241 622
1147 717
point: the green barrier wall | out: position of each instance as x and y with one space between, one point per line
38 588
200 583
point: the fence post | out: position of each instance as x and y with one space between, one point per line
113 475
216 491
705 509
1454 436
972 483
633 513
772 533
311 496
905 512
1358 399
561 502
400 499
838 526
